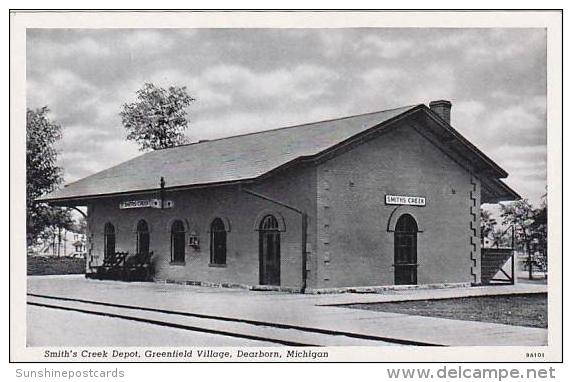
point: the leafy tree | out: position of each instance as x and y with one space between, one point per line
488 224
529 227
539 235
56 219
158 118
492 230
519 214
80 225
42 174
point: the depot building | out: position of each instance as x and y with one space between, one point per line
378 199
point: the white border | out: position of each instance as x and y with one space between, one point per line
549 20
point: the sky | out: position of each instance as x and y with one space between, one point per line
249 80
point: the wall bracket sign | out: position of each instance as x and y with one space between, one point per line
404 200
145 203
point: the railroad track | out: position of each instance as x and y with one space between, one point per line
277 333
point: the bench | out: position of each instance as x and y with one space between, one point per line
138 267
122 266
112 267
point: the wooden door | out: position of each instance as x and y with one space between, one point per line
269 248
405 251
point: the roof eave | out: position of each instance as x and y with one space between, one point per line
489 165
85 199
496 191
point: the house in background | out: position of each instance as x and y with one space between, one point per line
384 198
64 243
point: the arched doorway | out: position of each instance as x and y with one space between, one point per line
142 238
109 240
405 250
269 251
178 242
218 242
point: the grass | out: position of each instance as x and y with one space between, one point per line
55 265
520 310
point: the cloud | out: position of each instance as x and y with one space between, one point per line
469 110
332 42
79 161
377 46
518 116
505 44
522 124
67 95
251 121
394 85
86 46
225 86
454 38
383 75
150 39
67 81
301 82
516 151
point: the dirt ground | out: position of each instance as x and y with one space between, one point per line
520 310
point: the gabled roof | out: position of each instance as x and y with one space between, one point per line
232 159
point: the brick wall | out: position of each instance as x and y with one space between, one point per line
350 238
197 209
354 245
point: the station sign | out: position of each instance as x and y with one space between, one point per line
145 203
403 200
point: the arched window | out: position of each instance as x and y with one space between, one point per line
142 238
218 242
178 242
269 251
405 250
108 240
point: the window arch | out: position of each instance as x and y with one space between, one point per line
218 242
142 238
404 210
108 240
263 215
269 223
178 242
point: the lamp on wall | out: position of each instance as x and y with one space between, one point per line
194 241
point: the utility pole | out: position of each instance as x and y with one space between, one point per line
527 234
59 240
